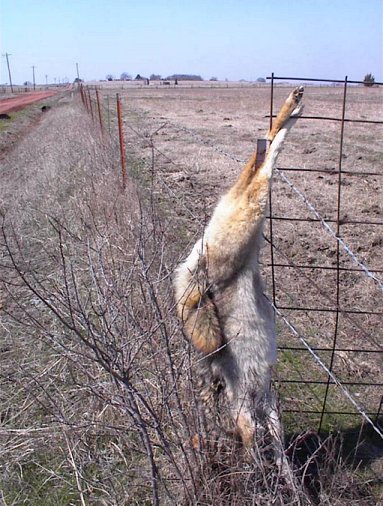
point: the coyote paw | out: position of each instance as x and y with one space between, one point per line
296 97
290 109
298 94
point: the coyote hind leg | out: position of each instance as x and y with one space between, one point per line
276 432
291 107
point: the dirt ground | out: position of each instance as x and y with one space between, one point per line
196 136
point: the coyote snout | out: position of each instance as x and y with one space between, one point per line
220 298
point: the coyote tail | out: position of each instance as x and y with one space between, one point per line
195 304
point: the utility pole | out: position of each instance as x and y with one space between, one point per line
9 70
78 75
34 82
46 79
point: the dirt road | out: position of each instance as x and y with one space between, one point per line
16 103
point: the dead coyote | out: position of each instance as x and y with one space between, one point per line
220 298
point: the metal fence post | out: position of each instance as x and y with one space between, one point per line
90 104
99 111
270 203
107 102
122 145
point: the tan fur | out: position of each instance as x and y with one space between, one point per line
246 429
199 315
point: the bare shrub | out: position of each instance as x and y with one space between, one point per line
83 279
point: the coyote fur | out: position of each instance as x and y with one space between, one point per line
220 300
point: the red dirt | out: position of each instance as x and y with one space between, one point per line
16 103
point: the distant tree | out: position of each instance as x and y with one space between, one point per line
78 80
125 76
27 83
261 80
109 77
213 79
184 77
369 80
155 77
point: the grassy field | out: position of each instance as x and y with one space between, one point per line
98 402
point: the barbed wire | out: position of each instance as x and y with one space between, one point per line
215 148
328 228
321 292
201 224
325 368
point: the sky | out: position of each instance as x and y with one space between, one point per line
227 39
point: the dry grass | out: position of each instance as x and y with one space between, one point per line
98 403
20 122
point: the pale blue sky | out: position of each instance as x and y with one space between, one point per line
234 39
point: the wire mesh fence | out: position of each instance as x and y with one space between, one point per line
328 298
346 316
